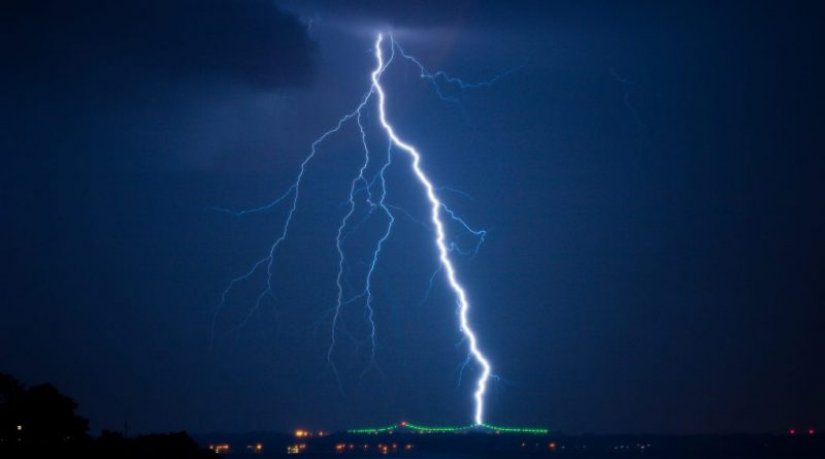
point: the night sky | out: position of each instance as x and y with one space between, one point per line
650 175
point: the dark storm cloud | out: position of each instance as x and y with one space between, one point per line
251 41
487 15
425 13
430 13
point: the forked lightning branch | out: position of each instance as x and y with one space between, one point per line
377 98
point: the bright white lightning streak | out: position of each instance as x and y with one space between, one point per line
437 208
444 253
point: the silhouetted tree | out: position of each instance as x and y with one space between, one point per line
38 419
12 395
40 422
49 417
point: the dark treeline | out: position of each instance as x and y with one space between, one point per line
39 421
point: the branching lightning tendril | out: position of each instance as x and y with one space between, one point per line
375 191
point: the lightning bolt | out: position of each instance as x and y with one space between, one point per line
295 192
435 78
377 202
444 253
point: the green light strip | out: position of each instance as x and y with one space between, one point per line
421 428
529 430
373 430
449 429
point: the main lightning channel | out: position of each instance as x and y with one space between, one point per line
360 183
444 252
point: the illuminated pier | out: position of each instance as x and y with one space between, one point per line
404 426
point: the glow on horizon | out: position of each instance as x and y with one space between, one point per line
444 254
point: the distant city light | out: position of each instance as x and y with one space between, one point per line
220 448
296 449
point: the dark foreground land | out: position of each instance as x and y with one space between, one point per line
453 445
40 422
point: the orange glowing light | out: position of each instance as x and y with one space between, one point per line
220 448
296 449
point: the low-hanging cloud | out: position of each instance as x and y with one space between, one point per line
250 42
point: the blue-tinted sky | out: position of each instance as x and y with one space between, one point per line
650 175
